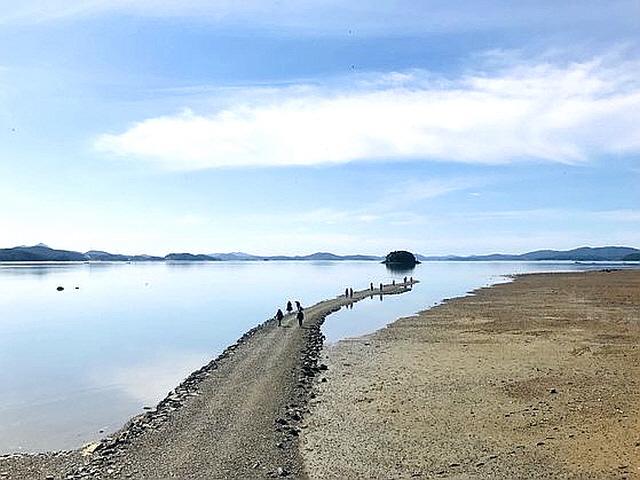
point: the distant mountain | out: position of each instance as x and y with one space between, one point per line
97 255
235 256
190 257
597 254
39 253
43 253
323 256
240 256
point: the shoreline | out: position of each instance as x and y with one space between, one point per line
533 378
101 459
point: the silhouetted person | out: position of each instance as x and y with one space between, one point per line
289 307
300 317
381 288
411 280
279 317
371 286
405 279
346 292
351 292
298 306
393 282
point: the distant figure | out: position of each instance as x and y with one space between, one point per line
279 317
300 318
393 282
346 292
411 280
371 286
351 292
381 287
405 279
298 306
289 307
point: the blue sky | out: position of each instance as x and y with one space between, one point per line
291 127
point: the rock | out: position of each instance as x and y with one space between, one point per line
90 448
553 390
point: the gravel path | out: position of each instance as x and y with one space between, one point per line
538 378
236 418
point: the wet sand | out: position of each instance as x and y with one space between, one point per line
236 418
538 378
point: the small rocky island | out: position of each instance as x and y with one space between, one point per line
401 258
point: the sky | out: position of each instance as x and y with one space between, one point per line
288 127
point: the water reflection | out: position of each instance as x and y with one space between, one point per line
400 269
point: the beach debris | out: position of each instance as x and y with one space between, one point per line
60 289
553 390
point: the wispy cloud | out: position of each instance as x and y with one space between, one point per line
567 113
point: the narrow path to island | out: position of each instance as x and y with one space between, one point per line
237 417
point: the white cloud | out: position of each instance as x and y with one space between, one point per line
561 113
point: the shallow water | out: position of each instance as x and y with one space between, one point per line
77 364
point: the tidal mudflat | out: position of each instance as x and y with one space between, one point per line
538 378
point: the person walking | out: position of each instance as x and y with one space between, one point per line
381 288
298 306
351 293
371 286
289 307
346 293
393 282
405 280
279 317
300 317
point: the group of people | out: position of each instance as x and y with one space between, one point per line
348 293
299 314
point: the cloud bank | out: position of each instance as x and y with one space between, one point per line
569 113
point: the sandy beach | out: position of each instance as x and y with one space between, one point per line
538 378
238 417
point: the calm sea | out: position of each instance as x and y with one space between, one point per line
76 364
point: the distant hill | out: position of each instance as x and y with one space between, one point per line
190 257
323 256
592 254
99 256
39 253
235 256
43 253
